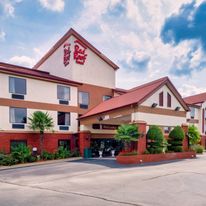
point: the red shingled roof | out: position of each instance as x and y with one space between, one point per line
33 73
135 96
72 32
195 99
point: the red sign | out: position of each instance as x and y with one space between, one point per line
79 52
67 53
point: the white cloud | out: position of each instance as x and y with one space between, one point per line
22 61
9 9
53 5
2 35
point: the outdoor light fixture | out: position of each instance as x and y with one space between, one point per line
177 109
100 118
154 105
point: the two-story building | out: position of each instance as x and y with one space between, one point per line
197 114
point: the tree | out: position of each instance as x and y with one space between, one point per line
41 121
127 133
194 135
176 137
156 142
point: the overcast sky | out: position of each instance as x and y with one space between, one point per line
148 39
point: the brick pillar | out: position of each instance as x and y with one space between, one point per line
141 145
186 139
84 141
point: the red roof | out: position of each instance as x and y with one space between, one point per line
135 96
72 32
33 73
195 99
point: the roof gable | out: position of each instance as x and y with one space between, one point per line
59 43
136 95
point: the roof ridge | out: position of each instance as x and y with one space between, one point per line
195 95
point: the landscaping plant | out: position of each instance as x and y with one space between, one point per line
41 121
156 142
127 133
62 153
194 135
198 148
175 140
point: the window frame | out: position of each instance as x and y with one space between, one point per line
192 109
25 80
169 100
84 104
161 99
10 120
64 119
58 85
68 140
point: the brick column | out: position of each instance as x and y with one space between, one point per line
84 141
186 139
141 144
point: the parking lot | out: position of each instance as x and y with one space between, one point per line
104 182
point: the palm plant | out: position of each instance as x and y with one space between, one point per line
127 133
41 121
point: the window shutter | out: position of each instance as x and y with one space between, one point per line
161 99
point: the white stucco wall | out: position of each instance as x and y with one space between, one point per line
95 71
37 90
6 125
157 119
155 99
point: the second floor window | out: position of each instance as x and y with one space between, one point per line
17 85
83 100
106 97
18 115
63 118
63 92
169 100
192 112
161 99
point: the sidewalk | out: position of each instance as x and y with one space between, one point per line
47 162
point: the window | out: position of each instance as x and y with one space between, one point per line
192 112
63 118
106 97
169 100
17 85
63 92
18 115
167 130
16 143
64 143
83 100
161 99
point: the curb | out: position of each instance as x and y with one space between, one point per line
47 162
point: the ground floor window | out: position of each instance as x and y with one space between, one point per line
16 143
65 143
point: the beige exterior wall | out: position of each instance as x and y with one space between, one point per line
37 90
7 126
157 119
96 131
95 71
155 99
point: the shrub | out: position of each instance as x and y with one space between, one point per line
146 152
75 153
47 156
7 160
155 139
62 153
21 153
194 135
176 137
198 149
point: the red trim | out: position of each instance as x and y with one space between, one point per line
84 41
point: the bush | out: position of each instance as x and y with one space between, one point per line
194 135
21 153
146 152
198 149
62 153
156 140
75 153
7 160
47 156
176 137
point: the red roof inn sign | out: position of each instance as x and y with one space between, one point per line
78 54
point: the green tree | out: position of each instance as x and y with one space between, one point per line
127 133
40 121
176 137
194 135
156 140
